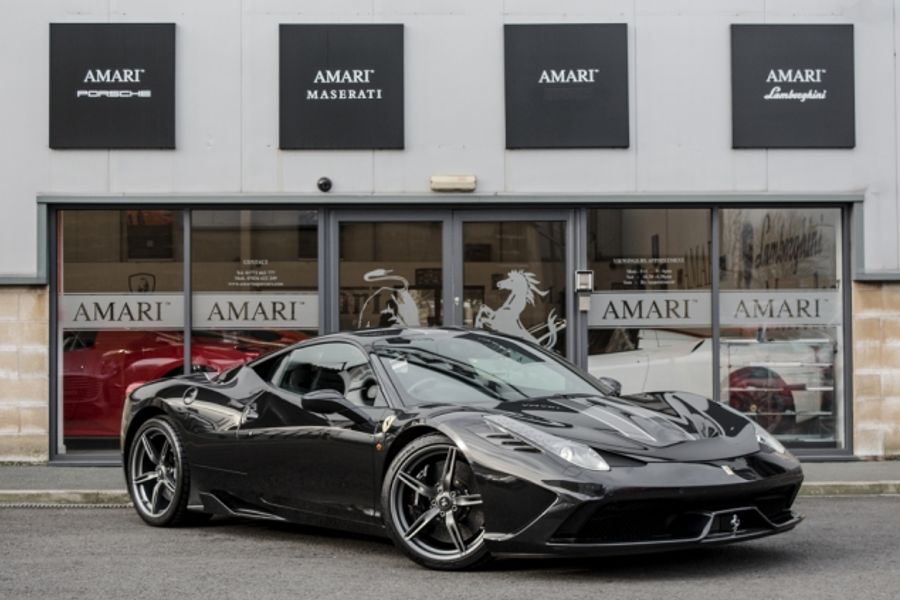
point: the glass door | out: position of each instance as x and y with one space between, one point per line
505 271
513 274
389 268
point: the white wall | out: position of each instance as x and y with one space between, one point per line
227 108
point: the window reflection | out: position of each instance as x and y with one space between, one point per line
120 314
255 283
515 279
651 313
391 274
781 317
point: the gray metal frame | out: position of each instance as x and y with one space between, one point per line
330 291
452 253
460 217
327 201
453 211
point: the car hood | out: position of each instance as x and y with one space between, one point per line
661 425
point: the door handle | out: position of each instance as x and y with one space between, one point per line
190 395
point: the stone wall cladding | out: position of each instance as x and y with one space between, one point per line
876 369
24 374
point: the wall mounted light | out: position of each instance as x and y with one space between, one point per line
453 183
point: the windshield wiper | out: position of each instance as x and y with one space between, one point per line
566 396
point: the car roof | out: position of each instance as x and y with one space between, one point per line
369 338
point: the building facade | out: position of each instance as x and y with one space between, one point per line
675 194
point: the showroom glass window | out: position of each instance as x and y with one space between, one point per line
650 321
781 347
514 277
391 274
254 275
120 314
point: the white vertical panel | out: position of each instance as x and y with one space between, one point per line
454 103
683 62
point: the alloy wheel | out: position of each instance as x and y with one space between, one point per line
155 470
434 504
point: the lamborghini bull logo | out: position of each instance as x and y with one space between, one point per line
522 287
400 307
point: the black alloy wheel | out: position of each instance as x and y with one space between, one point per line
158 475
431 506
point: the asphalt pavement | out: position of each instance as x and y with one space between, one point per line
848 547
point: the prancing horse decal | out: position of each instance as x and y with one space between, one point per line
400 307
522 287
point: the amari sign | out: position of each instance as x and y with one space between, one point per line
751 308
792 86
121 311
341 87
288 310
566 86
112 85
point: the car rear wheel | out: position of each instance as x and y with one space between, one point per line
431 506
158 475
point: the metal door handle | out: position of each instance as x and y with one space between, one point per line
190 395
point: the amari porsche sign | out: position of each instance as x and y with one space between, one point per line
566 86
341 87
112 85
792 86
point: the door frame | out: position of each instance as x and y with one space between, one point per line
331 284
567 216
452 221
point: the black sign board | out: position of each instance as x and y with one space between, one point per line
341 87
112 85
792 86
566 86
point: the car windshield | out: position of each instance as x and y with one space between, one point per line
477 369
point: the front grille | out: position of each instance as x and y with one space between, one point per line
673 519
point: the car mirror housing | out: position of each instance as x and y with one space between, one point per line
329 402
613 384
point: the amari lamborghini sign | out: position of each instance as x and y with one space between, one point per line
792 86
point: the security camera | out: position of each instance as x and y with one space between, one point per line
324 184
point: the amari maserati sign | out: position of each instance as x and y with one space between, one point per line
792 86
341 87
112 85
566 86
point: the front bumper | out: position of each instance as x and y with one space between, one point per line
711 533
648 510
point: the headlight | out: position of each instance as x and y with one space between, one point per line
767 439
576 453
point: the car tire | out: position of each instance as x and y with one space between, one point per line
431 507
158 475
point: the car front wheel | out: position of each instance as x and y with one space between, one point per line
432 508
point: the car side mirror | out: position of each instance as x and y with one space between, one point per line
613 384
330 402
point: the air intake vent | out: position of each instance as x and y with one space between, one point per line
512 442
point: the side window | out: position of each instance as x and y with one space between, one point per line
269 367
296 372
337 366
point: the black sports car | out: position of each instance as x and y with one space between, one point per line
458 444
